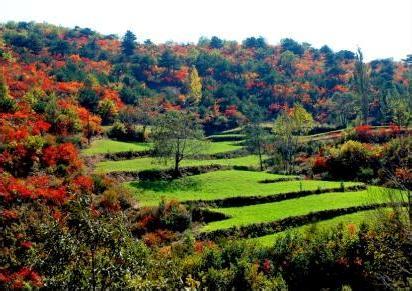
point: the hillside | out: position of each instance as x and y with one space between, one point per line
126 164
102 73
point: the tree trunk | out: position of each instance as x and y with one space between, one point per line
144 133
177 172
260 158
409 208
93 271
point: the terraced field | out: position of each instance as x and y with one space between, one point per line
356 219
223 184
249 200
149 163
267 212
104 146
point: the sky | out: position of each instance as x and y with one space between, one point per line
382 28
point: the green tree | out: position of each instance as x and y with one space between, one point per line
343 108
177 135
286 128
256 140
91 252
7 104
88 98
361 79
107 111
302 120
287 59
400 110
128 43
169 60
216 42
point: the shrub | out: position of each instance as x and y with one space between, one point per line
174 216
122 132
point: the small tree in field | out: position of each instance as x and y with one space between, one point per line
256 140
177 135
286 128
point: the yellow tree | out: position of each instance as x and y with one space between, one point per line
195 86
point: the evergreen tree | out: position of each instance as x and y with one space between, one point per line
361 83
128 43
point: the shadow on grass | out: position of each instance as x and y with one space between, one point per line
182 184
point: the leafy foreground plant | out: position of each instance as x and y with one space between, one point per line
364 258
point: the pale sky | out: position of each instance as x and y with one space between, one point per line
382 28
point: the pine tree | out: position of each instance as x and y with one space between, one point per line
129 43
361 82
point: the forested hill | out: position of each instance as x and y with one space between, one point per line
229 82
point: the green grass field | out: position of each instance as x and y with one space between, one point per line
104 146
368 216
149 163
222 184
300 206
221 147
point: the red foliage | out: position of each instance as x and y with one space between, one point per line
201 245
69 87
9 214
266 266
363 132
63 154
319 164
26 244
396 129
17 280
83 183
158 237
231 111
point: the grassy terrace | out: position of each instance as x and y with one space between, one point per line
222 184
104 146
222 147
148 163
368 216
300 206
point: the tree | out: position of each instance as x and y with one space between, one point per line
147 110
287 59
285 141
195 86
302 120
253 42
128 95
216 42
169 60
177 135
143 113
400 109
342 108
107 110
256 140
286 128
92 251
289 44
7 104
88 98
128 43
361 80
